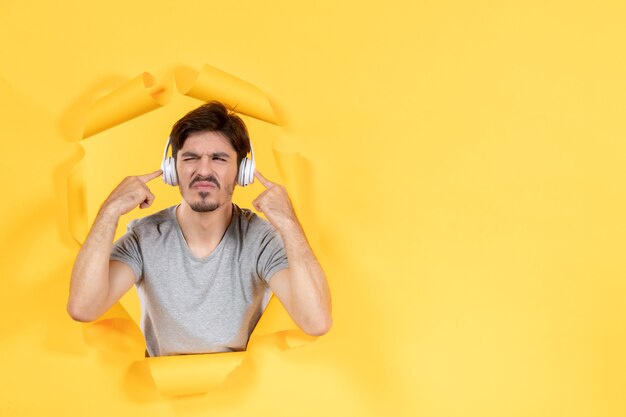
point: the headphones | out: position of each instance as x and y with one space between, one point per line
244 178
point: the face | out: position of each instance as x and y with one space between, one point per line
207 171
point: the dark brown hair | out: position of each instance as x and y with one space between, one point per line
212 117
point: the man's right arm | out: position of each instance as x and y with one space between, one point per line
97 282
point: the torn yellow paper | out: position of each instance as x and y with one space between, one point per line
115 331
294 171
119 335
116 311
137 97
284 340
273 319
291 169
214 84
192 374
77 203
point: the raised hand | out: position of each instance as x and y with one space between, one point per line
301 288
130 193
274 202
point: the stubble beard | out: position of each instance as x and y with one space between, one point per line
204 206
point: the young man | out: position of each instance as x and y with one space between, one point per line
203 269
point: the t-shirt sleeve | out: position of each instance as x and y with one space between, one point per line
272 256
126 249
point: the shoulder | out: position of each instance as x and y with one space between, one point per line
249 224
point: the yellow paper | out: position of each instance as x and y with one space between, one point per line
291 167
467 162
214 84
76 203
274 319
192 374
295 173
133 99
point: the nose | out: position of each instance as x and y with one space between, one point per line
205 166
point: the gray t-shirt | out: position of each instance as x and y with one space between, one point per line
192 305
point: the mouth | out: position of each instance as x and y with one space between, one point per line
204 185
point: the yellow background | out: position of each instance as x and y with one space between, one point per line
465 195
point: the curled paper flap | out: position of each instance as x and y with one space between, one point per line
76 203
214 84
293 170
282 340
295 174
137 97
116 331
115 334
274 319
296 338
72 121
117 311
192 374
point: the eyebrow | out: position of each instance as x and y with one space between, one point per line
213 155
220 155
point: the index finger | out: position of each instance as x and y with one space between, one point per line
148 177
267 183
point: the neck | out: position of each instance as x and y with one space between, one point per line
204 231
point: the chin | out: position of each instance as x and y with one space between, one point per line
204 206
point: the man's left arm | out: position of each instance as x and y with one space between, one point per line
301 288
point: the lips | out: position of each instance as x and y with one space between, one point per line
204 185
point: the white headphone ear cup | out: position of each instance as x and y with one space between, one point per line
169 172
241 178
164 173
173 172
251 170
165 168
168 166
246 172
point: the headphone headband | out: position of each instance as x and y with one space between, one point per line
167 146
